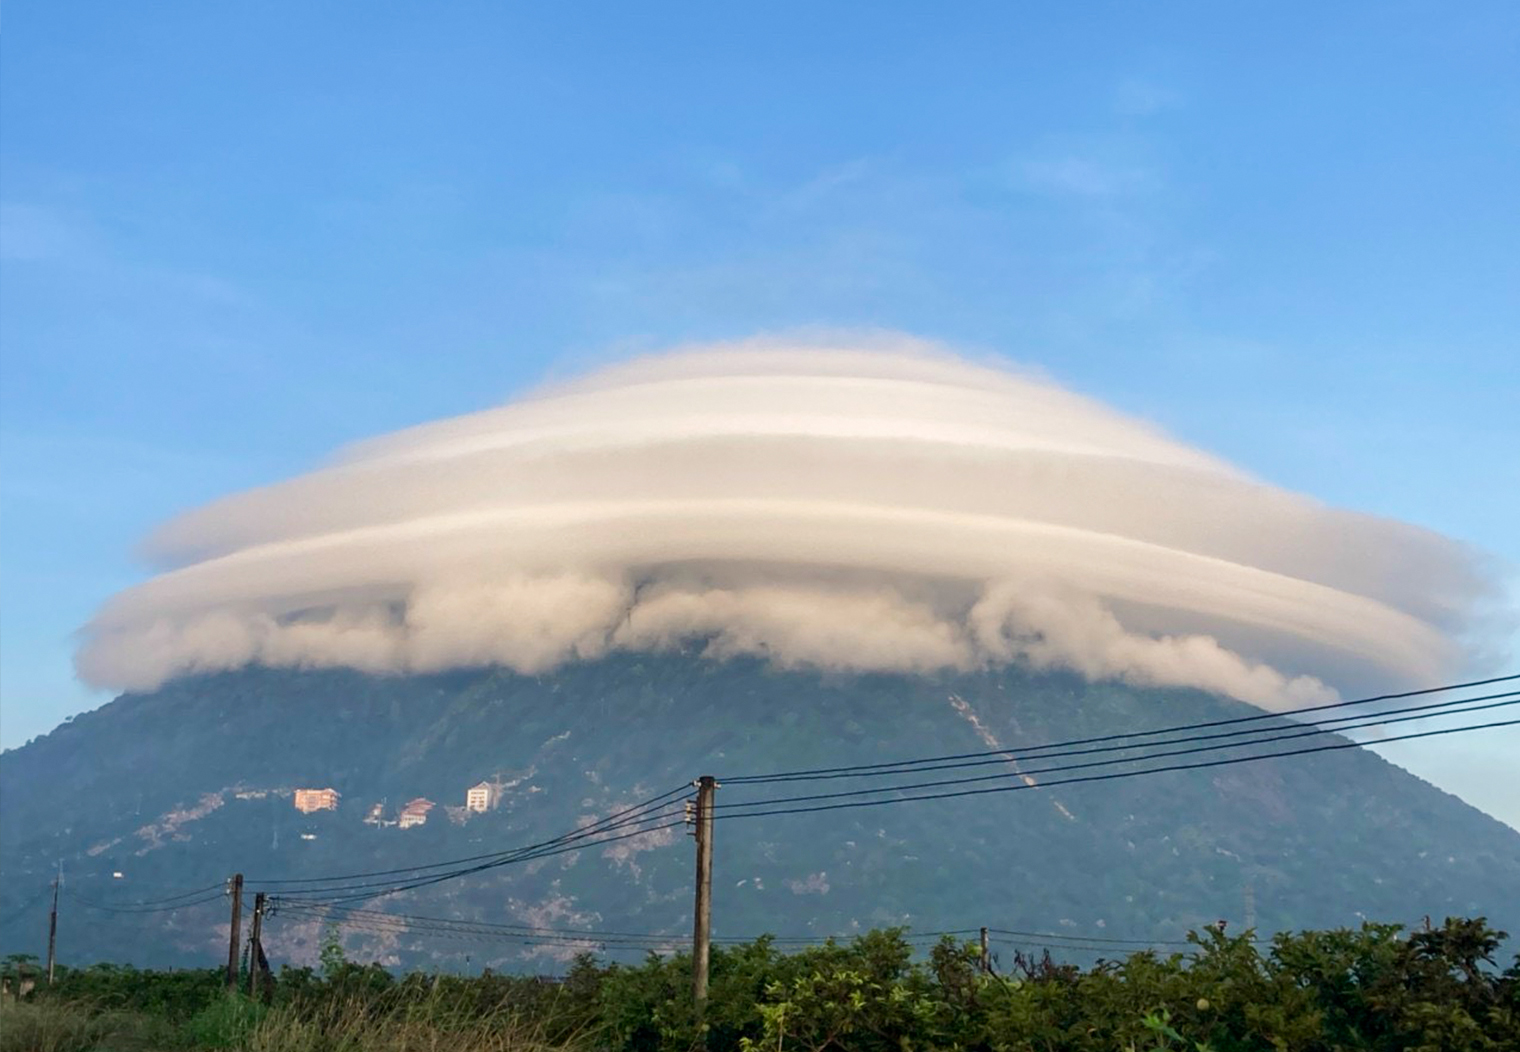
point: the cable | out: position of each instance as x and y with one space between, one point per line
452 875
219 887
266 882
144 909
1112 775
1057 936
1307 733
398 923
1012 756
789 775
576 934
569 841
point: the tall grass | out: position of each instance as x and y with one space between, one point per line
239 1025
352 1026
51 1026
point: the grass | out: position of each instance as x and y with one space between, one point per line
239 1025
349 1028
57 1027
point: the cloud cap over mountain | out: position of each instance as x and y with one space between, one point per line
876 504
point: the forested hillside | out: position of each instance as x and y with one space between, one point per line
177 789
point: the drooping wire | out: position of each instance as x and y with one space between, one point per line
1022 754
401 923
1101 739
381 922
580 934
422 867
559 846
1111 776
1058 768
104 907
219 887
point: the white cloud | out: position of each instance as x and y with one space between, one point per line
1140 98
837 505
1083 177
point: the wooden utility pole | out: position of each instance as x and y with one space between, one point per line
53 925
235 931
255 945
701 936
986 957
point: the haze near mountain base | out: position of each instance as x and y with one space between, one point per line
881 506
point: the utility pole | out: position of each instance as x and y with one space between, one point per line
1250 905
53 924
235 930
701 937
255 945
986 958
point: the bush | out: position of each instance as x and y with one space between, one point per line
1374 989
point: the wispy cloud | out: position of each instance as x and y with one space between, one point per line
1079 176
30 233
1142 98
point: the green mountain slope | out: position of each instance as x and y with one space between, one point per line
176 789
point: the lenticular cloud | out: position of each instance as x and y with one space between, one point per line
891 508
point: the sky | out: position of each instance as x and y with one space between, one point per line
235 237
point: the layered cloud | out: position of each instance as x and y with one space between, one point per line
888 507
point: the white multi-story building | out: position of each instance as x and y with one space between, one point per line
483 797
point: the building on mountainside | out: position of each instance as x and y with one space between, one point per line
415 813
376 816
483 797
309 800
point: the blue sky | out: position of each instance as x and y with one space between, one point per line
236 236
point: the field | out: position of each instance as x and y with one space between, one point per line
1376 988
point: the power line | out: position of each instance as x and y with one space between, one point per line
1045 752
1306 733
402 923
145 909
1110 776
1057 937
382 922
642 806
585 837
1177 728
368 891
219 887
572 933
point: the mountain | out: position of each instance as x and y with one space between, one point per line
175 789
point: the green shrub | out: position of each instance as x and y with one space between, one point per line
1374 989
226 1022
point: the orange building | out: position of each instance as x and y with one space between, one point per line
415 813
309 800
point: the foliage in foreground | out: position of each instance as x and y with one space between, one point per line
1374 989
